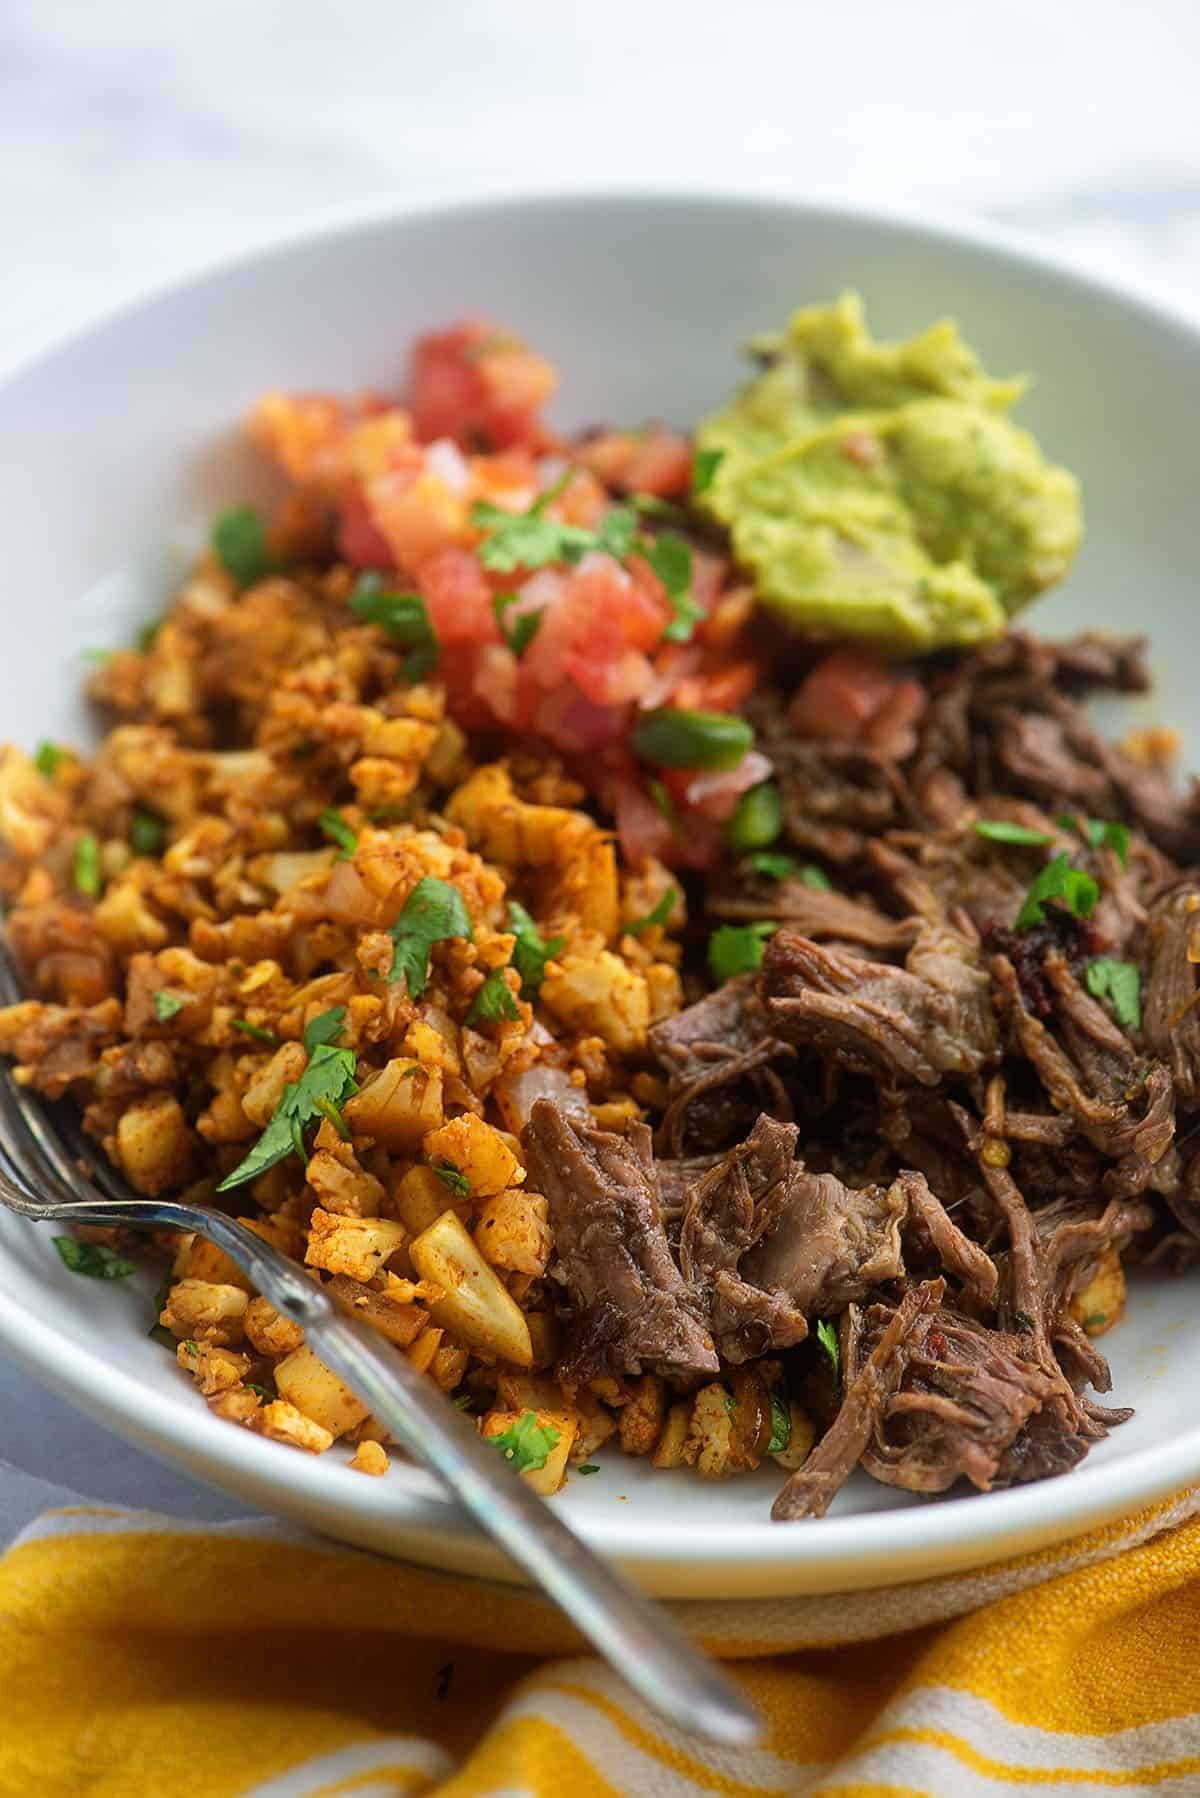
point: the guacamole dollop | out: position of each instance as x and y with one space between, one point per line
881 491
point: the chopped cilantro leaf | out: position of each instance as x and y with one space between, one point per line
523 629
166 1005
256 1031
494 1001
453 1179
147 831
326 1028
656 917
47 758
531 951
147 637
704 467
616 531
403 617
1058 880
1120 982
332 1114
240 544
263 1393
770 866
335 827
530 539
328 1076
1094 1319
671 559
827 1336
1105 835
85 865
999 830
737 948
92 1259
588 1467
657 507
816 878
433 913
1100 834
464 1402
781 1425
526 1443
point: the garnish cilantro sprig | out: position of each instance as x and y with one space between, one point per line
94 1260
738 948
321 1091
1058 880
531 951
1120 982
533 539
404 617
434 912
527 1443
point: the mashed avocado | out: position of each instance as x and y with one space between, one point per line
880 490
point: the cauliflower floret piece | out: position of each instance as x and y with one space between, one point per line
478 1151
284 1423
598 993
513 1231
357 1246
205 1311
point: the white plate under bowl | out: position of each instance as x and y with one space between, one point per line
117 448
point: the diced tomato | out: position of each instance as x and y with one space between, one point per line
891 731
457 598
594 634
447 396
359 541
655 461
720 690
299 430
842 695
418 515
575 722
642 828
495 678
478 385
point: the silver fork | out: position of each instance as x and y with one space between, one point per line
634 1635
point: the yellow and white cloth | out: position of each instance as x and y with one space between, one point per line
142 1658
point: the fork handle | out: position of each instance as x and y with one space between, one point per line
634 1635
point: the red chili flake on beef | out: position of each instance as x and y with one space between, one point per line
935 1342
1060 932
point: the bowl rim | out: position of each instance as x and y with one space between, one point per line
957 1531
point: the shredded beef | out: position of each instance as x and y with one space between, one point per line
719 1056
820 915
931 1019
813 1487
631 1306
918 1122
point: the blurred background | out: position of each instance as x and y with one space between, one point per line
139 141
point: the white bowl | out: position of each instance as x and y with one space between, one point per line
118 447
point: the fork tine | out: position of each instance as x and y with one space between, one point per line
56 1162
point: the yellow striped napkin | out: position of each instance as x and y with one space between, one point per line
143 1658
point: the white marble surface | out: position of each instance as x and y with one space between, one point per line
139 141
